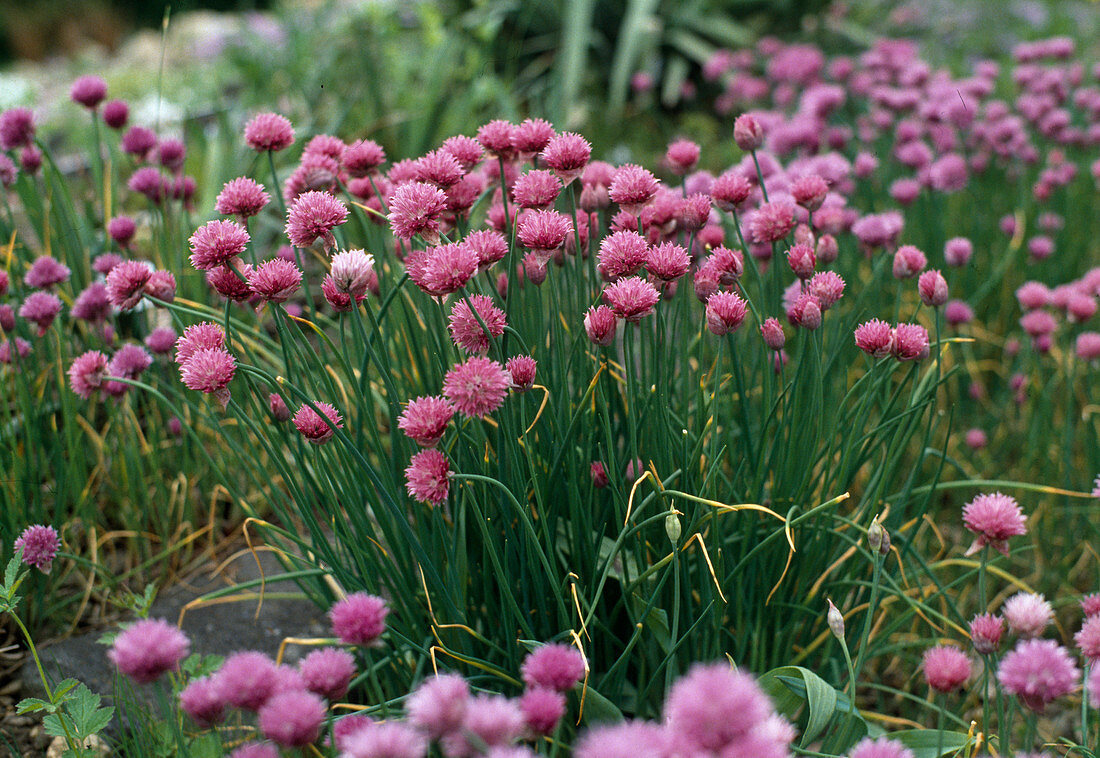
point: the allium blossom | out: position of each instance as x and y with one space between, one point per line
772 222
544 231
46 271
438 706
427 477
268 132
351 272
993 518
202 701
875 337
622 253
522 370
908 262
415 209
466 327
882 747
275 280
313 427
243 197
631 298
985 633
87 372
312 217
292 719
542 710
600 323
327 672
477 387
217 243
40 308
1037 672
210 371
1088 639
725 311
247 679
910 342
932 288
632 187
1028 614
566 154
946 668
425 419
39 545
149 648
554 666
359 619
667 261
389 739
197 337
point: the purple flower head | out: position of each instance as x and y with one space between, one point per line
362 157
161 340
200 336
631 298
415 209
1038 671
993 518
875 337
622 253
772 222
466 328
1028 614
882 747
313 427
275 280
908 262
268 132
45 272
39 545
359 619
292 719
494 719
600 323
116 113
87 372
149 648
932 288
427 476
16 128
542 709
725 311
242 197
138 141
682 156
247 679
544 231
313 216
1088 639
957 251
946 668
438 706
553 666
202 701
910 342
327 672
730 190
632 187
121 229
390 739
667 261
748 133
477 387
41 308
216 243
209 371
522 370
496 138
255 750
172 153
567 154
425 419
126 283
352 272
89 91
985 633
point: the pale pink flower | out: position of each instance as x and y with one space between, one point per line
725 311
216 243
946 668
985 633
148 648
313 427
910 342
241 197
622 253
993 518
600 323
1028 614
875 337
415 209
425 419
631 298
632 187
312 217
477 387
275 280
292 719
87 372
39 545
40 308
1037 672
438 705
772 222
359 619
268 131
554 666
427 477
327 672
566 154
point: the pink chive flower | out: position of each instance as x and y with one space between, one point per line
255 750
567 155
1090 604
631 298
438 706
16 128
553 666
1088 639
542 710
747 133
522 370
875 337
957 251
932 288
313 427
121 229
1028 614
946 668
40 308
544 231
268 132
344 728
993 518
908 262
425 419
879 230
716 709
827 287
171 153
327 672
359 619
39 545
772 332
632 187
537 189
957 312
682 156
150 182
531 136
149 648
496 138
985 633
446 269
46 271
1037 672
725 311
217 243
209 371
162 286
621 254
247 679
976 438
882 747
116 113
466 150
477 387
600 323
494 719
439 168
292 719
275 280
805 312
802 260
241 197
105 262
228 282
277 407
126 283
489 246
352 272
197 337
627 739
7 317
202 701
1094 678
730 190
599 475
910 342
415 209
87 372
138 141
809 191
667 262
312 217
362 157
771 222
427 477
390 739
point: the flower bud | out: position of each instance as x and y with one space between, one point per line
836 621
672 527
875 533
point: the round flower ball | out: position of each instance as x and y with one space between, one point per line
359 619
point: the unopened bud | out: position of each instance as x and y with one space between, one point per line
672 527
875 533
836 621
